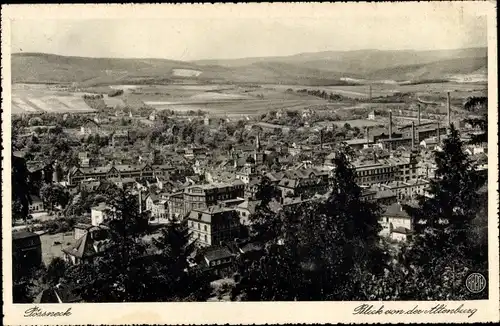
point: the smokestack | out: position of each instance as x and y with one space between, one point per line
321 139
367 136
370 93
412 135
438 133
418 114
449 108
390 124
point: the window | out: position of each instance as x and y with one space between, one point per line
206 238
198 226
205 227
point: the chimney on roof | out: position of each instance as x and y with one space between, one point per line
412 135
449 108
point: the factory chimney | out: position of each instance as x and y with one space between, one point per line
418 105
390 124
412 135
449 108
438 133
370 93
321 139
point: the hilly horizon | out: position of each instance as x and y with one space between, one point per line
311 69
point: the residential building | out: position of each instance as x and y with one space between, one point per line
272 127
219 261
145 171
407 190
84 159
203 196
119 138
371 115
303 183
26 252
100 213
385 197
246 209
87 247
176 207
157 205
247 173
36 205
89 127
214 225
396 223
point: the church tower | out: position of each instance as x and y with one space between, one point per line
258 155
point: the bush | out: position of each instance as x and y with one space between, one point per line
116 92
59 225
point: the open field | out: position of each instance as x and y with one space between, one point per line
114 101
226 99
244 107
362 91
50 249
43 99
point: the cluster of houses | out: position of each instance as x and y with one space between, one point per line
216 193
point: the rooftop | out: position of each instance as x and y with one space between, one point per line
395 210
216 253
23 235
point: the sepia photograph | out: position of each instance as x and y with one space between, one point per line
335 157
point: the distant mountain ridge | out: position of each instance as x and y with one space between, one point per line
320 68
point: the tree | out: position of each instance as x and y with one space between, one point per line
478 105
54 194
178 280
55 271
265 223
131 270
21 198
442 247
318 249
116 274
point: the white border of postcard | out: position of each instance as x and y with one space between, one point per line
254 312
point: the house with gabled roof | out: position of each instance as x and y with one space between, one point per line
94 241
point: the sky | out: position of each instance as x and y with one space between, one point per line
237 35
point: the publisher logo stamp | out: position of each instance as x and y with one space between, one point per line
475 282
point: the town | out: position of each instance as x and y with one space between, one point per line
206 171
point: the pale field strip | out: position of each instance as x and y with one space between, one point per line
124 86
219 96
42 105
186 72
56 103
111 101
23 106
33 105
75 103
